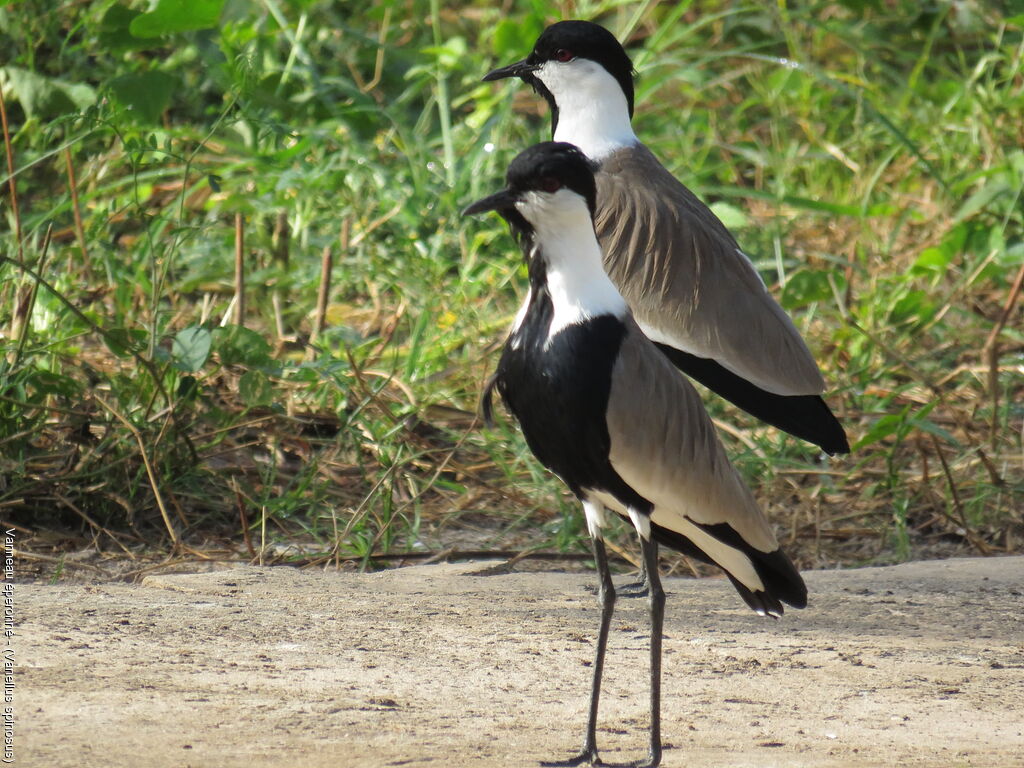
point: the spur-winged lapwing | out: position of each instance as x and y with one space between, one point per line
601 407
692 290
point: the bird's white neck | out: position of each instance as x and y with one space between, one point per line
593 112
576 281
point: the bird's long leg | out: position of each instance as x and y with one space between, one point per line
639 588
606 594
649 548
656 595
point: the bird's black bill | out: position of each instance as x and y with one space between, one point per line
518 69
499 201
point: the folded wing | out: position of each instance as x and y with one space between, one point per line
687 281
664 446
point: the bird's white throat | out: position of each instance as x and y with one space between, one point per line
593 112
564 236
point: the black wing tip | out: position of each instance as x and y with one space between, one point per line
782 581
805 416
786 587
760 602
836 443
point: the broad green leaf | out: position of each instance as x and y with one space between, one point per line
731 216
914 306
49 383
162 356
902 423
45 97
1015 161
982 197
172 16
514 39
887 425
1011 257
123 341
255 389
236 345
805 287
115 33
188 388
307 373
931 261
146 94
449 55
191 348
956 239
783 80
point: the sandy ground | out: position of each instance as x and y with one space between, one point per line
467 665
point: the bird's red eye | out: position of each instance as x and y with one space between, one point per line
550 184
564 54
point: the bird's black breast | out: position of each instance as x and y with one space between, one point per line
558 390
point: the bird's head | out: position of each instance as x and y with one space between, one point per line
549 187
574 59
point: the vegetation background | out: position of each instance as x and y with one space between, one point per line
242 318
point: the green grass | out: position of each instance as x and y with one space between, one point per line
867 154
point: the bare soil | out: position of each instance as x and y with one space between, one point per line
471 665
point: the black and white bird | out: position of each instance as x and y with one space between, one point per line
693 291
603 409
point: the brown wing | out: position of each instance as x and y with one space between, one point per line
663 444
687 281
665 447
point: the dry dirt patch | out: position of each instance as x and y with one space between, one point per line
464 665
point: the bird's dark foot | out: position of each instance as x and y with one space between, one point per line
633 589
586 757
653 761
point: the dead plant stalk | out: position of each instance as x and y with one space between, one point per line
149 470
990 352
77 210
239 269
